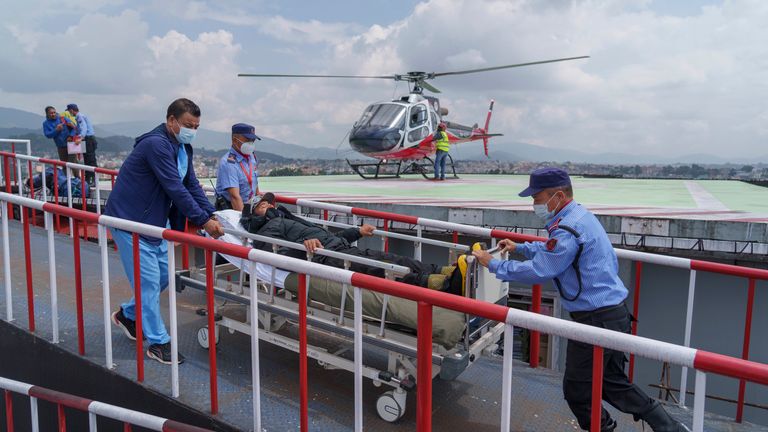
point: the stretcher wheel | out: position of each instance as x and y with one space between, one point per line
388 407
202 336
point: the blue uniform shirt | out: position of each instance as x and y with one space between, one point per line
233 169
84 124
598 264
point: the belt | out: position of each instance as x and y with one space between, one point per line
584 315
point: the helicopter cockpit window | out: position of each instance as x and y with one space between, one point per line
386 115
418 115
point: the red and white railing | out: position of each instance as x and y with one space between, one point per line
94 409
703 362
639 258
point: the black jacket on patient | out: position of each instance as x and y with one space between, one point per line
280 223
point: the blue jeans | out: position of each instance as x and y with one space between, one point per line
440 157
153 262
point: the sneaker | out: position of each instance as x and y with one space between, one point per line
162 353
608 425
128 326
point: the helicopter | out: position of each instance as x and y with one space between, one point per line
401 131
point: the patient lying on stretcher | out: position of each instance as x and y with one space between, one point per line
263 218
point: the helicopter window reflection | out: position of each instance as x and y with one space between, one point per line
386 115
418 115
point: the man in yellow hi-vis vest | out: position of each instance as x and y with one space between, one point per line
443 146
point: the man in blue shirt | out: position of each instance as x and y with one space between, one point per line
237 180
58 128
86 130
157 186
580 259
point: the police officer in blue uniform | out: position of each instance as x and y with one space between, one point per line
237 180
580 259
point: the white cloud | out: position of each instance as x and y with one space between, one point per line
655 84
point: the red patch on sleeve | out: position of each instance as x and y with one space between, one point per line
551 243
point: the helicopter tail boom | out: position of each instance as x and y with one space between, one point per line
487 123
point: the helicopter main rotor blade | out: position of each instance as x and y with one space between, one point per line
468 71
315 76
429 87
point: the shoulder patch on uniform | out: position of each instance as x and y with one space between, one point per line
554 226
551 243
231 160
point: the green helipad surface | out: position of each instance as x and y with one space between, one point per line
710 199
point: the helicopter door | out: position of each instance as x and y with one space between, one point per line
418 123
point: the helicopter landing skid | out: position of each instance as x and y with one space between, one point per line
360 169
426 169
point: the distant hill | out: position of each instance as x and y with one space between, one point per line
119 137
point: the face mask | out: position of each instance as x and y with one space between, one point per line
543 212
185 135
247 148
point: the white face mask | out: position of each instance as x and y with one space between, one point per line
543 211
247 148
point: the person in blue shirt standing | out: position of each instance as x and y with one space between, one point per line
237 180
58 128
157 186
580 259
86 130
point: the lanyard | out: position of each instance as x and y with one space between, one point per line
248 174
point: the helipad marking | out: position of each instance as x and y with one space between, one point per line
703 198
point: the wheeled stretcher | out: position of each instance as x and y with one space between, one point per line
389 322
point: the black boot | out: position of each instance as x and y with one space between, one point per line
660 421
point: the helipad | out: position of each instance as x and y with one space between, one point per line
679 199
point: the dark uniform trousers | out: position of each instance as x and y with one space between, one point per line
89 157
420 271
617 390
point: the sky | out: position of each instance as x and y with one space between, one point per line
665 77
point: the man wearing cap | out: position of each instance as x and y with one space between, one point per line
238 178
580 259
86 130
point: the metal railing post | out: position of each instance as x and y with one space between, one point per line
417 245
303 398
699 399
255 371
138 308
635 314
174 325
34 419
358 347
28 268
102 232
535 341
745 347
52 277
7 264
597 388
69 197
506 377
78 290
211 331
687 338
424 367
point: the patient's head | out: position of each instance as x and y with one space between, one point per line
267 202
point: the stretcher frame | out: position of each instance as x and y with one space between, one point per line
278 310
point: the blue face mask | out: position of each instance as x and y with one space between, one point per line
185 135
543 211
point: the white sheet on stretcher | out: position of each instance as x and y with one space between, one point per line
231 220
